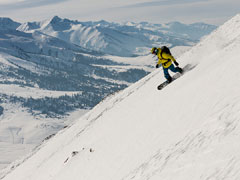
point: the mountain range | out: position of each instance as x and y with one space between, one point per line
125 39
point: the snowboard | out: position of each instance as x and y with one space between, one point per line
186 68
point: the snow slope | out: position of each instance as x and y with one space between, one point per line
189 130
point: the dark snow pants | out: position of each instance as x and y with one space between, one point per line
172 68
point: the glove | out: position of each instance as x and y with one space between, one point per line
157 65
176 63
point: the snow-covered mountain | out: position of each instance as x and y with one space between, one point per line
8 24
50 72
189 130
125 39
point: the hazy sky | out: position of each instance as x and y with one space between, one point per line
156 11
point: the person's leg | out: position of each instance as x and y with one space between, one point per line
167 75
175 69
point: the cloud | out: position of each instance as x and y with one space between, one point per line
21 4
155 11
161 3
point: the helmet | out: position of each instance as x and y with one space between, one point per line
154 50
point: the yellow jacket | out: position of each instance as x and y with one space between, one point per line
165 59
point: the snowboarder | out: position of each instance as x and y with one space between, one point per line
165 59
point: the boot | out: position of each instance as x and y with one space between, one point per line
180 70
169 79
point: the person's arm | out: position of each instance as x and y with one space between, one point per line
158 63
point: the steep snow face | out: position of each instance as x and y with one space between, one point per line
126 39
189 130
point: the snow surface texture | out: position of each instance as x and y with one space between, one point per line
188 130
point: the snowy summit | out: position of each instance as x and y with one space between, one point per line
125 39
187 131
